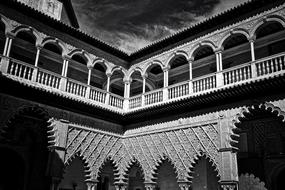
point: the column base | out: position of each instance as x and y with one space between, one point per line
229 185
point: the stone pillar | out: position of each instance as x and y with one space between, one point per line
184 185
219 65
190 61
229 169
91 184
88 82
150 185
35 71
108 88
63 80
57 151
126 93
143 91
165 83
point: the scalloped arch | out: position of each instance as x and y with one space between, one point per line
269 107
87 169
95 173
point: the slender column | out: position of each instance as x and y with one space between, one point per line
165 83
127 84
143 91
88 82
11 36
253 66
63 80
219 64
108 88
35 71
6 45
190 61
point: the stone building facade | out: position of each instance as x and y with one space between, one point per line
202 109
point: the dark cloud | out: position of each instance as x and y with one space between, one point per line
133 24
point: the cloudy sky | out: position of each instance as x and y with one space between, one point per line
133 24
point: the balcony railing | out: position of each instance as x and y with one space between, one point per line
264 67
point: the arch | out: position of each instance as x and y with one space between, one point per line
76 172
246 112
107 177
25 28
148 65
197 46
60 44
272 18
119 68
87 168
240 31
132 70
164 179
136 86
81 53
203 169
175 54
179 69
138 173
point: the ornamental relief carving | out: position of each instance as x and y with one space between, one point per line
181 146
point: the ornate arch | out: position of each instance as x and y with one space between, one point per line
200 44
131 163
119 68
241 31
245 112
95 173
132 70
154 62
40 113
87 169
55 41
208 158
261 21
97 61
174 55
160 161
82 53
29 29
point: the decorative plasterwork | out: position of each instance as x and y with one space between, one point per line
182 145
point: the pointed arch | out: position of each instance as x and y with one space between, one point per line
76 172
203 169
138 172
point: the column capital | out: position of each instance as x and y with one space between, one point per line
121 185
66 57
10 35
145 75
184 185
108 74
219 50
252 38
149 185
39 46
127 81
164 69
191 60
229 185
